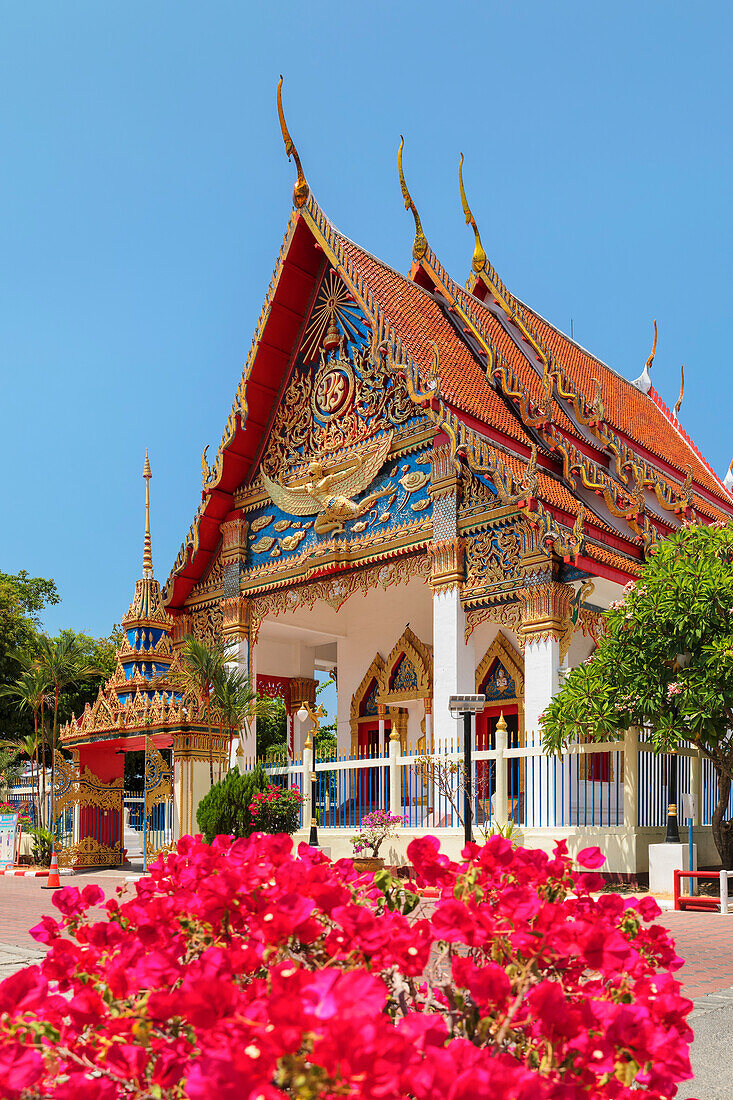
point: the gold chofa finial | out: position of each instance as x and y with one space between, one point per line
147 551
650 360
420 244
478 262
301 189
678 406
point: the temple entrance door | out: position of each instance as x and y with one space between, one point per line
88 816
485 769
372 782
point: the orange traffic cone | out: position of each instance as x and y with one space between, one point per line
53 882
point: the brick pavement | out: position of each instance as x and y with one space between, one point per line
704 940
23 902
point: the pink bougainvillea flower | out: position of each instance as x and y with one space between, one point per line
591 857
239 969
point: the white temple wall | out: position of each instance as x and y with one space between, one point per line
372 624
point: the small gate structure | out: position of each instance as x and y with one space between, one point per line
88 816
158 819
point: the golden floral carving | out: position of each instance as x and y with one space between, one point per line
446 562
335 591
89 853
507 614
545 610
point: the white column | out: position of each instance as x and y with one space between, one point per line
381 712
454 666
190 784
545 615
543 787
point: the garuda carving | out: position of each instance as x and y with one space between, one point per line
317 495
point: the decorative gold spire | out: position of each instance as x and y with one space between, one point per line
478 262
501 724
147 552
420 244
678 406
650 360
644 381
301 189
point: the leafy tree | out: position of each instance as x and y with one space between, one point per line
63 664
272 728
224 810
665 662
200 666
100 654
30 695
234 701
22 598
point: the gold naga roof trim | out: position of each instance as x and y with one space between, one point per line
420 244
478 262
301 190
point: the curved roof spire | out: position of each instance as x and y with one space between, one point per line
478 261
420 244
301 189
147 551
678 406
728 479
644 381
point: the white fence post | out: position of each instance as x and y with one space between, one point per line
395 795
631 777
501 808
307 790
696 785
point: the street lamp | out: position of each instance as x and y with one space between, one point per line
466 705
306 711
672 835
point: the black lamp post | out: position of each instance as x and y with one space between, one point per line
672 835
466 706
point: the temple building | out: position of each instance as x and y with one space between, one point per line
423 485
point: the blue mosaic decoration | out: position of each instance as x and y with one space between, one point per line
499 684
332 432
369 703
404 677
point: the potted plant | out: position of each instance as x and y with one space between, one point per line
375 828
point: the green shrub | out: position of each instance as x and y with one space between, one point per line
42 841
225 809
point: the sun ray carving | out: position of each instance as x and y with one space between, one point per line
335 314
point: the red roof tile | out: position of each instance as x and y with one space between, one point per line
639 417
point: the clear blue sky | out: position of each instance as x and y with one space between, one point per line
144 193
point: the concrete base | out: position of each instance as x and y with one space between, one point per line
664 860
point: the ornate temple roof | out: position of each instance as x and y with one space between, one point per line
610 461
139 695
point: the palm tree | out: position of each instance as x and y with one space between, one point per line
234 700
30 693
63 663
199 667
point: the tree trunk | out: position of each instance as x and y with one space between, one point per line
723 830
